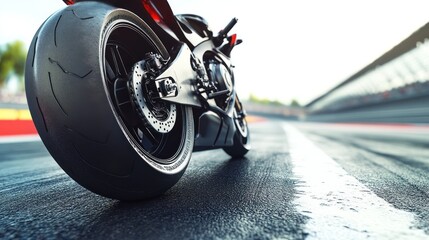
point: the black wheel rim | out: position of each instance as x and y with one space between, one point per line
127 44
241 124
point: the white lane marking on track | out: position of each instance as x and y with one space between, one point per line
338 205
21 138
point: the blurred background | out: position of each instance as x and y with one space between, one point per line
326 56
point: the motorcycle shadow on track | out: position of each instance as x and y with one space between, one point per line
207 194
218 197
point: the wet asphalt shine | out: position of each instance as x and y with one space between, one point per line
299 181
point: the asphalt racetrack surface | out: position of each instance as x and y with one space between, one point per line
299 181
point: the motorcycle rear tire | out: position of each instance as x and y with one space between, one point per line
74 110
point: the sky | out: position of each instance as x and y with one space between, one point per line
291 49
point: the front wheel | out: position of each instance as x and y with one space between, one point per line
88 113
242 136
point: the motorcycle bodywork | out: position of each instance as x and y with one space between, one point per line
158 97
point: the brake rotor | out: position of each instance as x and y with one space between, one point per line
159 115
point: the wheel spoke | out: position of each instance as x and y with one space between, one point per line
150 135
121 62
110 74
158 140
118 62
114 62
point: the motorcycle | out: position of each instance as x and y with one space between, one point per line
122 93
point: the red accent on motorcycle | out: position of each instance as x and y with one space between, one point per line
233 40
151 9
69 2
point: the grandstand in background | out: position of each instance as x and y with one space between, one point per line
399 79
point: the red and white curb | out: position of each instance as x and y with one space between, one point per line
15 122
